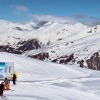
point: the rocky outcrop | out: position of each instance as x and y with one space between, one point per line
18 28
28 45
22 46
40 56
94 61
7 48
64 59
81 63
61 60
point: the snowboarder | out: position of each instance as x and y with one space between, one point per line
2 88
7 82
14 79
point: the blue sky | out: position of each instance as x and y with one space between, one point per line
23 10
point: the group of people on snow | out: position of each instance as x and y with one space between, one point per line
5 85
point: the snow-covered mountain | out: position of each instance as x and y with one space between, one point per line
66 43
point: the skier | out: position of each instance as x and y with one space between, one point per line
7 82
14 79
2 88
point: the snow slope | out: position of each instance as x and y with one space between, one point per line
38 80
39 70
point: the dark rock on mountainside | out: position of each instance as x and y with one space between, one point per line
64 59
40 56
28 45
81 63
61 60
94 61
7 48
18 28
22 46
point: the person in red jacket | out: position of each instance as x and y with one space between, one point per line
7 82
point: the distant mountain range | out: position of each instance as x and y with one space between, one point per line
65 43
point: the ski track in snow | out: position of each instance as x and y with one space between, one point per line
62 89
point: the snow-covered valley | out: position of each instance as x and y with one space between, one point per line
38 80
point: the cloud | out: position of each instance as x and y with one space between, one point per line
16 12
93 21
19 10
46 18
22 8
91 17
79 16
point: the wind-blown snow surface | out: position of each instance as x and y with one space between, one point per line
39 80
